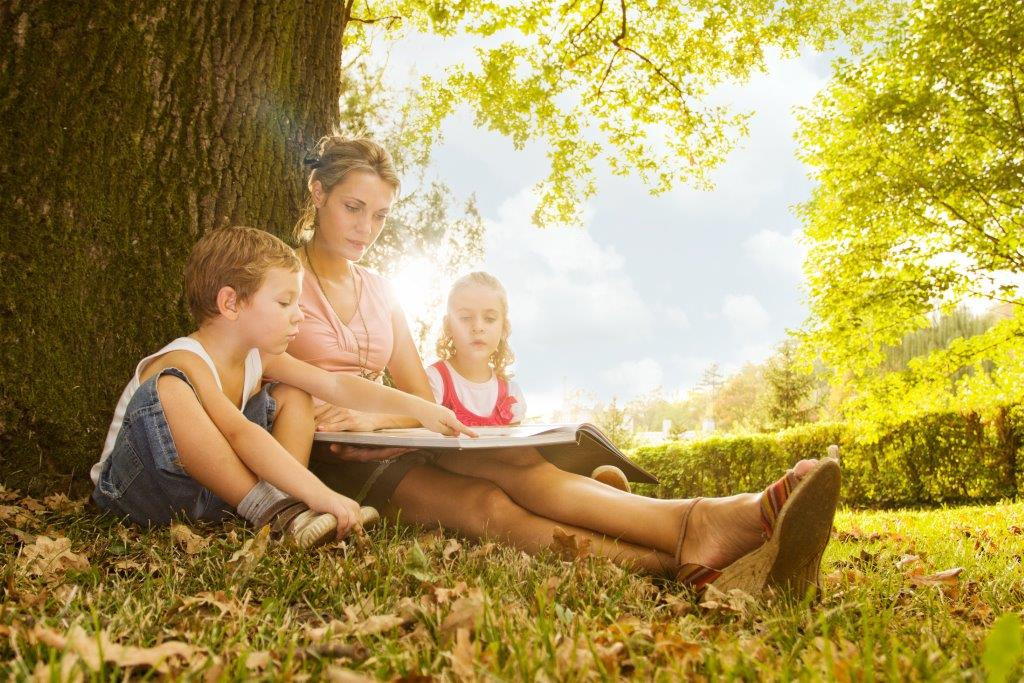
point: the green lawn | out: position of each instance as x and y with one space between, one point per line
86 596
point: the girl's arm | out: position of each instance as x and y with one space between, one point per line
361 394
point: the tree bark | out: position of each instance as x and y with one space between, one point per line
128 129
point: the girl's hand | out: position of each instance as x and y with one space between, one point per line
332 418
366 454
442 420
344 509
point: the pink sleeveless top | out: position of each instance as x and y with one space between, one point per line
336 346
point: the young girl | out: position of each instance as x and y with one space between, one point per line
471 378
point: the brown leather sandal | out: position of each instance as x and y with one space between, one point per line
796 515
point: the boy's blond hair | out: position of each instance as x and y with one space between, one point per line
236 257
502 357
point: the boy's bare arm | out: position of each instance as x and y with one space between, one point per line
253 445
360 394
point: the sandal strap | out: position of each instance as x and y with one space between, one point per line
281 513
682 527
774 498
697 576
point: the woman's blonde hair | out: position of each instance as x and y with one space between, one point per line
333 158
502 357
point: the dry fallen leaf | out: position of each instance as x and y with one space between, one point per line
907 560
466 613
8 494
50 558
735 601
32 504
251 552
94 650
219 600
483 551
257 661
65 670
570 545
336 674
451 548
462 656
189 541
949 577
58 502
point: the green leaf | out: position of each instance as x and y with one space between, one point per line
1004 647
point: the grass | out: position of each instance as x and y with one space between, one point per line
405 603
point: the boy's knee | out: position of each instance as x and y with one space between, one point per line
295 398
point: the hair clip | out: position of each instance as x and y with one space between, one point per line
311 160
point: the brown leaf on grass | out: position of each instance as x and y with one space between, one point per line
451 548
949 577
611 656
7 494
855 535
466 612
50 558
677 649
442 596
128 566
1016 530
462 656
569 545
60 503
187 540
95 650
337 674
677 606
251 552
219 600
14 516
849 575
66 670
32 505
907 560
735 601
257 661
483 550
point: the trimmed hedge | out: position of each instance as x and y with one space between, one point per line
934 459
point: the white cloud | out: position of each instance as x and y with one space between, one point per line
635 377
776 251
745 312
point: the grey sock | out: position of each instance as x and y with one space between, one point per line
257 503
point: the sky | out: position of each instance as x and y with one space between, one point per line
651 290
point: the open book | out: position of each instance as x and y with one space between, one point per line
575 448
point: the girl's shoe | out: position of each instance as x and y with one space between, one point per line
612 476
796 515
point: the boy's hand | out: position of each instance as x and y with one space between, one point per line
344 509
442 420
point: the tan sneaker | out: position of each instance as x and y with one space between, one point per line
310 529
612 476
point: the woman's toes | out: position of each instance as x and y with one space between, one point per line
803 467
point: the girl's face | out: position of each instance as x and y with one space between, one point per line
351 216
475 322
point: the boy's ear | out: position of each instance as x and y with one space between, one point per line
227 302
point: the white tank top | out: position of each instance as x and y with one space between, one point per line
253 374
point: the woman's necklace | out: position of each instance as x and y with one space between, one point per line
358 293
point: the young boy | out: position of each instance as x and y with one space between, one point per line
194 434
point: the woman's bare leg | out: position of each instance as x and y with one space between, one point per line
479 509
720 530
294 422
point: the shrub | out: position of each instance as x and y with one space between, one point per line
934 459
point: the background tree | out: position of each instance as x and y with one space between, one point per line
917 155
789 386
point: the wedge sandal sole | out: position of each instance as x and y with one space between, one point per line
789 560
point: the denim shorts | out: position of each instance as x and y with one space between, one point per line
142 478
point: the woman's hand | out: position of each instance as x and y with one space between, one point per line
366 453
344 509
332 418
441 420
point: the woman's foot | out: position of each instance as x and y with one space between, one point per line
720 531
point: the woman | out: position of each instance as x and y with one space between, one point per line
353 324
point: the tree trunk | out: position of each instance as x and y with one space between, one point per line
129 129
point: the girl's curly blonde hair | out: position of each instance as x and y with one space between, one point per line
502 357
